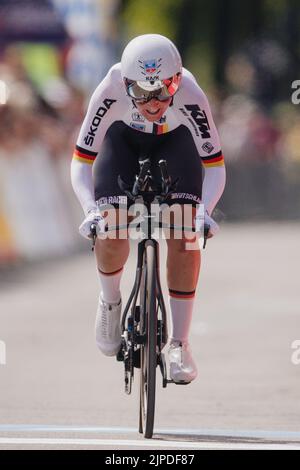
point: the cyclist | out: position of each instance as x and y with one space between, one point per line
148 104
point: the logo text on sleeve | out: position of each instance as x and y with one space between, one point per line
198 120
89 138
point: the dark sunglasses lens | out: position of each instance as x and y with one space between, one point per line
142 95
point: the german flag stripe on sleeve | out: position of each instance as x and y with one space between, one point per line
84 156
213 160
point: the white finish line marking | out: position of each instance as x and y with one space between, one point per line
180 432
145 443
162 439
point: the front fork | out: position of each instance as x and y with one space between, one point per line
131 312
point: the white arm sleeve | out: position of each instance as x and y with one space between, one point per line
104 108
82 182
195 106
213 187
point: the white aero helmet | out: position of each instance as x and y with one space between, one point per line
151 68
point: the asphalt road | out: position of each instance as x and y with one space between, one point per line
58 391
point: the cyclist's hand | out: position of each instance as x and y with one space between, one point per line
93 217
214 227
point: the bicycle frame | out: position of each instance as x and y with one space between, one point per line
130 308
141 325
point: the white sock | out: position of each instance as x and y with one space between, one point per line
110 285
181 314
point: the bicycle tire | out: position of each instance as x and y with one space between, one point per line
149 348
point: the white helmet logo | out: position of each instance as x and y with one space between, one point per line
150 66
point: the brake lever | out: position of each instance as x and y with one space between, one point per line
169 190
125 187
133 192
145 166
94 235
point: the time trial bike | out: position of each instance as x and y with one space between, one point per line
144 319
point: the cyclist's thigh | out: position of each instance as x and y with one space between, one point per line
115 158
183 162
179 150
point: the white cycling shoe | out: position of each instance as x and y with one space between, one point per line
182 366
108 328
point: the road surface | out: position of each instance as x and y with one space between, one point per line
58 391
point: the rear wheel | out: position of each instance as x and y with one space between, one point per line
148 327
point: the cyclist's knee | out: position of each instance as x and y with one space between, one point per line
182 245
116 221
112 246
180 215
114 243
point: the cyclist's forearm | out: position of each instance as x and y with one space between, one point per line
213 186
82 182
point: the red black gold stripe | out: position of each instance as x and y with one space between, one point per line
181 294
160 128
213 160
84 156
110 274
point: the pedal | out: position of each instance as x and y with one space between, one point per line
137 358
120 355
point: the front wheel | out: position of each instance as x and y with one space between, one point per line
148 327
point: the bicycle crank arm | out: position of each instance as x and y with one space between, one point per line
163 368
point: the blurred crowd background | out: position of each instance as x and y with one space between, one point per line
53 53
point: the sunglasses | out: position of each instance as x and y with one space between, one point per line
150 97
143 92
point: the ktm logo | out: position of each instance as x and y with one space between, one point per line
200 119
89 138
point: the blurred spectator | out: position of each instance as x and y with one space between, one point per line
38 213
